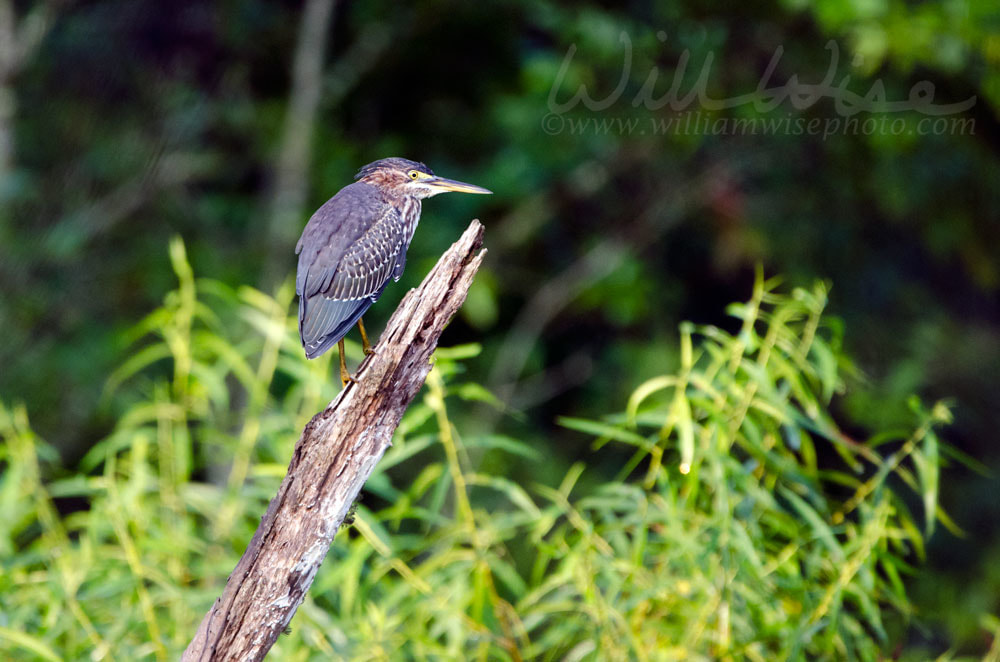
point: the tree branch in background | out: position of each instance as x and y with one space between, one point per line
164 172
665 209
18 42
333 458
291 178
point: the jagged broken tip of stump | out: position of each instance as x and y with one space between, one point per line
333 458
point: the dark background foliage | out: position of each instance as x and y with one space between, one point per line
133 121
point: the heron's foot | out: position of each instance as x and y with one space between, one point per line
365 345
369 350
347 378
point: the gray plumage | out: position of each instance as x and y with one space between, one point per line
356 242
348 263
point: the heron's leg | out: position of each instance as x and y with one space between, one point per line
345 376
364 338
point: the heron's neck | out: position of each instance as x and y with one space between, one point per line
410 215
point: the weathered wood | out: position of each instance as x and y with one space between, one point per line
332 460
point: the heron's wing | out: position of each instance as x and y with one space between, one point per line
367 265
331 231
347 275
323 322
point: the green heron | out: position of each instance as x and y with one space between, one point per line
354 244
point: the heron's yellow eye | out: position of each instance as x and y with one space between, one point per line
413 174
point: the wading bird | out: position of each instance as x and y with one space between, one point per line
354 244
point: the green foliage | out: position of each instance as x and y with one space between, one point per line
780 553
746 525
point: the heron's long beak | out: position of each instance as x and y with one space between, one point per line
441 184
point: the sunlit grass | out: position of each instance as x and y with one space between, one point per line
746 525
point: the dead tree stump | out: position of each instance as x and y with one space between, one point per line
332 460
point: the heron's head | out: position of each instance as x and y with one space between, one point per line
405 177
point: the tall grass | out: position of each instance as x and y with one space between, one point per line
746 524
